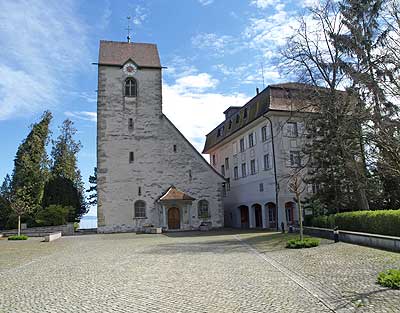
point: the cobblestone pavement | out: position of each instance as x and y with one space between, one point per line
187 272
342 274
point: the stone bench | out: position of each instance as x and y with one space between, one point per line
52 236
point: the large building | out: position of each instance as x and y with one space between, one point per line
148 173
257 148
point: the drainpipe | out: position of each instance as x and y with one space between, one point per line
275 175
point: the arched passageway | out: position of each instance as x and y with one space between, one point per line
244 216
257 214
271 212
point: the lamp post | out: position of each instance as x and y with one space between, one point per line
275 175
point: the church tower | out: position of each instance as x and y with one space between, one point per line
148 173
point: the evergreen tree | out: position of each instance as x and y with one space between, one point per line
64 153
368 63
92 198
31 163
65 186
5 198
6 188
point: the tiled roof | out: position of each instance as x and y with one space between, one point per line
117 53
280 97
175 194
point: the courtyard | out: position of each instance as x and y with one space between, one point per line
224 271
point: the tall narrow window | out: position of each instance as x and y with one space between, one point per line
130 87
242 145
131 157
174 148
139 191
230 124
261 187
130 123
295 160
253 167
251 140
227 163
235 173
264 133
140 209
222 170
237 118
244 170
190 175
245 113
214 160
266 162
291 129
203 209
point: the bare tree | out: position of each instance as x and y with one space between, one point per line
21 204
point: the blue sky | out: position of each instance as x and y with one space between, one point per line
213 50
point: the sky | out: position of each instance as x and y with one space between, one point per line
216 53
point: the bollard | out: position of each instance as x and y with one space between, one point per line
336 234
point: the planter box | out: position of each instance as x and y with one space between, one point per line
204 228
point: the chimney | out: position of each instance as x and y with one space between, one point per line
257 90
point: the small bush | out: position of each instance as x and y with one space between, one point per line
305 243
16 237
53 215
390 278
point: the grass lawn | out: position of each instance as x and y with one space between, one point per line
272 241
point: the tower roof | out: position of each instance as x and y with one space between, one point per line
117 53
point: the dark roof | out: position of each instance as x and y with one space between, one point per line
117 53
278 97
175 194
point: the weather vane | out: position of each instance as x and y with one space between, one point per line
129 29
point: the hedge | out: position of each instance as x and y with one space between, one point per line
383 222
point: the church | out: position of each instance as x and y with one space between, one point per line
148 173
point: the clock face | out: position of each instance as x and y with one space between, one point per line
129 69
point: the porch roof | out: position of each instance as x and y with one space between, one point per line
175 194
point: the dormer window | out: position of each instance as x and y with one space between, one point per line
245 113
130 87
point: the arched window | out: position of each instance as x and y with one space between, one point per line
203 209
140 209
130 87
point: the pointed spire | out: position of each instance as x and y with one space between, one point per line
129 29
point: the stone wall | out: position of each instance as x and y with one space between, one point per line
364 239
66 230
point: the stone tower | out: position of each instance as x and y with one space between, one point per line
148 173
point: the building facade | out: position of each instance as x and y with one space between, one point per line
258 148
148 173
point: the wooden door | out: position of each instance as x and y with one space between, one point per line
174 218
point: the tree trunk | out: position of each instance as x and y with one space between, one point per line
19 225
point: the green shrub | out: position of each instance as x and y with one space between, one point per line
53 215
384 222
76 226
16 237
299 244
390 278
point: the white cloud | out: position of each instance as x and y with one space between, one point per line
197 83
82 115
206 2
139 15
46 44
218 44
197 113
263 4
